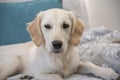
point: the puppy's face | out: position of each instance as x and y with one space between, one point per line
56 29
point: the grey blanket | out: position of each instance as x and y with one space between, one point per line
100 46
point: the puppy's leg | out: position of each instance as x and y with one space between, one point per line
90 68
48 77
37 77
8 68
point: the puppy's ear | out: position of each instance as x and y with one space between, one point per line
34 30
76 31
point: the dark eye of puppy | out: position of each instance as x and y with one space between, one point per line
65 26
47 26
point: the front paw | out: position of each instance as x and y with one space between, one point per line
20 77
26 77
107 74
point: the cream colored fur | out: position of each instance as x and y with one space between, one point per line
38 57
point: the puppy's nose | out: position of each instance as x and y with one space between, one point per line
57 44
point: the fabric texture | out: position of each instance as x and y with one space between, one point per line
101 46
14 16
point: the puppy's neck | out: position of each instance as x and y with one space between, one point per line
63 61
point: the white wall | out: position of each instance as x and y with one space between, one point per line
104 12
79 8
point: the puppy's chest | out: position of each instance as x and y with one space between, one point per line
46 65
65 67
41 65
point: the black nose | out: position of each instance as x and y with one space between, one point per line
57 44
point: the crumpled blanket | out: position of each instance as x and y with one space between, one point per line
100 46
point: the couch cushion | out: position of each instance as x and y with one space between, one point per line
14 16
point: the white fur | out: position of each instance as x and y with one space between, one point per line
32 59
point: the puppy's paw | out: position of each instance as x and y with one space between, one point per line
20 77
26 77
107 74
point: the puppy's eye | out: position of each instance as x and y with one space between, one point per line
65 26
47 26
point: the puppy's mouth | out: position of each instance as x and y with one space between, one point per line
57 51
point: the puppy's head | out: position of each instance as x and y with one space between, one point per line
56 29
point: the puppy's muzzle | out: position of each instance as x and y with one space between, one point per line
57 45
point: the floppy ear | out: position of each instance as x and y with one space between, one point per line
76 31
34 30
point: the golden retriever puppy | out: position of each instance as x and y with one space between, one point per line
55 34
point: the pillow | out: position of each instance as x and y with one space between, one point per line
14 16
